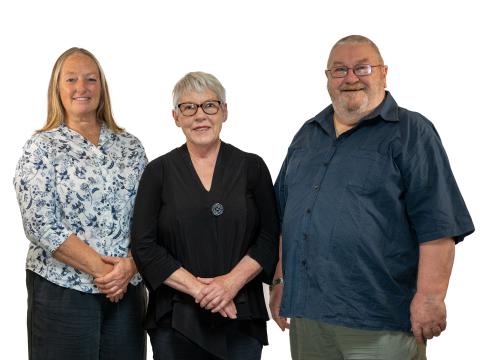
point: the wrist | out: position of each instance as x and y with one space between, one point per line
276 282
195 290
133 266
234 280
101 269
430 296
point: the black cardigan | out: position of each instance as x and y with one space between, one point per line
175 225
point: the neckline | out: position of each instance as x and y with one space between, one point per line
195 175
101 137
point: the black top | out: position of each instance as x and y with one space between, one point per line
176 224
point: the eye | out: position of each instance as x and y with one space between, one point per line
209 105
70 80
362 69
340 71
188 107
92 80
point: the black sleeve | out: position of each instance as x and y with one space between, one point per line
265 249
154 262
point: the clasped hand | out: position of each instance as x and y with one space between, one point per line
217 295
114 284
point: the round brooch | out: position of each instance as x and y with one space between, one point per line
217 209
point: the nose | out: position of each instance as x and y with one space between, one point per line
200 114
81 85
351 77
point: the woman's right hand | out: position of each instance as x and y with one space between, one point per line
114 284
182 280
227 311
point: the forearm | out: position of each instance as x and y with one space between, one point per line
246 269
435 267
182 280
428 314
278 270
76 253
219 291
276 292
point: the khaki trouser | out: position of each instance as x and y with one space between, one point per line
316 340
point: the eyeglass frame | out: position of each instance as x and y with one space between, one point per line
219 102
353 70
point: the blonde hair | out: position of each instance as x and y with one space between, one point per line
56 111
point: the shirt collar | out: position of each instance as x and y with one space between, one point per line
387 111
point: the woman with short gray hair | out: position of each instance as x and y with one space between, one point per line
205 236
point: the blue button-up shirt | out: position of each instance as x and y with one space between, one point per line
354 210
67 185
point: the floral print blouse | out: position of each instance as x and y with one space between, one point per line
67 185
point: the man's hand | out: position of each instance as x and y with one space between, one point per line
114 284
428 315
275 301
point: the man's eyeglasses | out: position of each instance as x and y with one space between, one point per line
209 107
359 70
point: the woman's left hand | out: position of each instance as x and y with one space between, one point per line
218 292
114 284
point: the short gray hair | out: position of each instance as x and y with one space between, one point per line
356 39
198 81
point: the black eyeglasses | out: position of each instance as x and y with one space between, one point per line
209 107
359 70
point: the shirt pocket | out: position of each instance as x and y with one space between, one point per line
292 173
367 171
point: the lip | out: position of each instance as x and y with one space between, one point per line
351 90
201 128
81 98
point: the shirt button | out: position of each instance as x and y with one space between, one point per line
316 187
308 211
304 263
305 236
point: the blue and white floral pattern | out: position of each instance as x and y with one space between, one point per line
66 185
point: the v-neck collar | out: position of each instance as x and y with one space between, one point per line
102 139
196 177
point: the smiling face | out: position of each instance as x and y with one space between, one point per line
79 87
356 96
201 130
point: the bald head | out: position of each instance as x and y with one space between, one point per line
355 39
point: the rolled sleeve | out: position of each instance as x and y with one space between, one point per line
38 200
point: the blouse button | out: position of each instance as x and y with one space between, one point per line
217 209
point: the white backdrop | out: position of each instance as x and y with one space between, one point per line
270 56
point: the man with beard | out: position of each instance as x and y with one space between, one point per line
370 216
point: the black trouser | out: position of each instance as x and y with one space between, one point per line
68 324
169 344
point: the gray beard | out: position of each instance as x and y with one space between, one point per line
351 112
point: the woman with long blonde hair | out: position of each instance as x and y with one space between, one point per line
76 184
